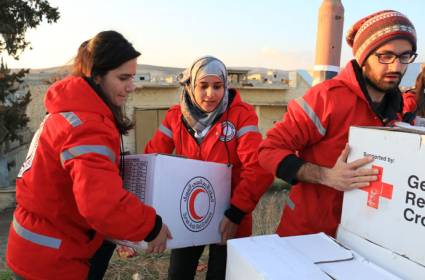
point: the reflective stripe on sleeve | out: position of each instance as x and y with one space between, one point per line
87 149
36 238
289 202
312 115
72 118
245 129
165 130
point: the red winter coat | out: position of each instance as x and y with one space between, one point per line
249 180
409 101
69 192
315 128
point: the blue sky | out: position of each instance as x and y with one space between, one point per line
274 34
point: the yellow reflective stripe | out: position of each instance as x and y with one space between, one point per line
72 118
245 129
312 115
36 238
86 149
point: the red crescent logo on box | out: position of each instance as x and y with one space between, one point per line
378 189
192 199
197 204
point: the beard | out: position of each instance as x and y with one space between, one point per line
379 83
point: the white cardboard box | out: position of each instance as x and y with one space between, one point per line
387 259
306 257
389 215
190 195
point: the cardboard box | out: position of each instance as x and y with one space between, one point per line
314 256
387 259
190 195
390 213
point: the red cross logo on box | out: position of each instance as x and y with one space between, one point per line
377 189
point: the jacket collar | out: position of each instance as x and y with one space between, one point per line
74 94
352 76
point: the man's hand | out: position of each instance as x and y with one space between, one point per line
227 229
159 244
347 176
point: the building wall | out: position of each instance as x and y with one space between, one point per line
17 151
14 159
270 104
36 110
268 116
149 97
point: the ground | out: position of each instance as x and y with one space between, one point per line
5 219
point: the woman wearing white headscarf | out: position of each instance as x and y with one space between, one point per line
212 123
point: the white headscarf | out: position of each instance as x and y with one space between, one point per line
198 119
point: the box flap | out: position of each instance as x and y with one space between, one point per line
410 128
354 270
319 248
399 127
182 159
315 256
272 257
386 259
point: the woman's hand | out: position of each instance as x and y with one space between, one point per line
228 230
125 252
159 244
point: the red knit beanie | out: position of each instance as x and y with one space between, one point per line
373 31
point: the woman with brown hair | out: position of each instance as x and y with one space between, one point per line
69 191
414 100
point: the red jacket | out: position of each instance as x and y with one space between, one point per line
69 192
249 180
315 128
409 101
